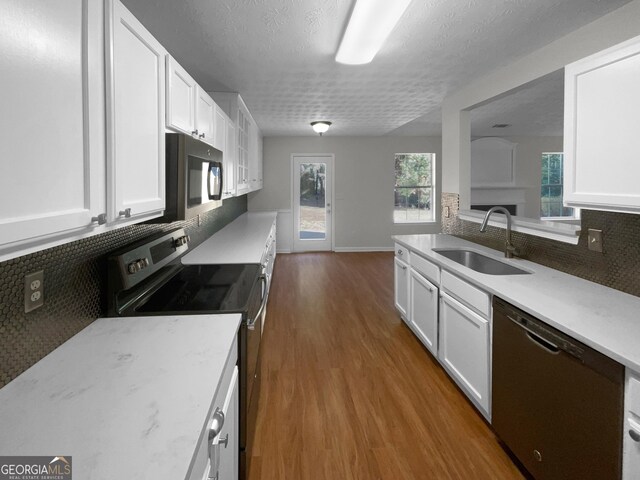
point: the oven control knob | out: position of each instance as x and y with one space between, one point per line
140 264
145 262
182 241
133 267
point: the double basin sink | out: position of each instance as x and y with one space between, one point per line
479 262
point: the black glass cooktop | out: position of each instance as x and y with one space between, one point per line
211 288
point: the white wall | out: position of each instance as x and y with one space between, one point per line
609 30
528 168
364 180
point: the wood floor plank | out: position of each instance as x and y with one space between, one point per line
348 392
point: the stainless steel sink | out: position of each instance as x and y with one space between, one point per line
478 262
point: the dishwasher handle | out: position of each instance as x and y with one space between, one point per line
535 337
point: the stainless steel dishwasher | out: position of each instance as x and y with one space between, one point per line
557 404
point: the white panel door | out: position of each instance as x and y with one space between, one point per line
601 141
181 98
401 288
220 129
52 178
136 119
312 202
464 350
228 440
423 311
205 116
229 156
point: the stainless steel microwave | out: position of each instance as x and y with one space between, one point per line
194 178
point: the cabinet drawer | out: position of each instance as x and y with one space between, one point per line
633 395
468 294
426 268
402 252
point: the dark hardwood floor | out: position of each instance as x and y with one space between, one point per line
348 392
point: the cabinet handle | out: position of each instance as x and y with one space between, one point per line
403 267
399 252
635 436
126 213
201 135
194 132
224 441
101 219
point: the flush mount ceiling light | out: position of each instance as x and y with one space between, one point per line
320 126
370 24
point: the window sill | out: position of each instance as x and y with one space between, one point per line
561 232
430 222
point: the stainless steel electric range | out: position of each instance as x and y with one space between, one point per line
147 278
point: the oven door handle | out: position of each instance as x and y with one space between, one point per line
252 324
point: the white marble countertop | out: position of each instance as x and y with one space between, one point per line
125 397
603 318
242 241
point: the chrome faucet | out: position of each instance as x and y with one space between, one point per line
509 249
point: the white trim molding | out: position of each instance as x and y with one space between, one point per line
362 249
561 232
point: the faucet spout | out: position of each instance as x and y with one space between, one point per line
509 250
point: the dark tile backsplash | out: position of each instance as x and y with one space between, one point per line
74 287
618 266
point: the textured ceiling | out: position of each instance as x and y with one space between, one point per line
535 109
279 54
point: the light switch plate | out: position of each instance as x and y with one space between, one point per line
595 240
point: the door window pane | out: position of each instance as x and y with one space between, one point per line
313 205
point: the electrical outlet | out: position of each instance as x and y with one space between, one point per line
595 240
447 212
33 291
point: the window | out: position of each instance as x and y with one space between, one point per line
551 191
414 187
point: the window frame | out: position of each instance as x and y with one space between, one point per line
432 187
576 211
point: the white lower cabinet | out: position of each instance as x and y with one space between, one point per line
631 433
423 310
464 350
401 288
223 464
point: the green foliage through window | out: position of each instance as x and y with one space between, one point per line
551 189
414 187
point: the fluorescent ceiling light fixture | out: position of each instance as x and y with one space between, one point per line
320 126
370 24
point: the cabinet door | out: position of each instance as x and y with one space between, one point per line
601 140
242 180
464 350
136 118
228 441
401 290
205 116
424 310
220 132
52 178
229 156
181 97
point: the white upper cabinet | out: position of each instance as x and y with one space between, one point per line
255 158
229 156
135 118
248 142
220 128
205 116
52 174
181 98
601 141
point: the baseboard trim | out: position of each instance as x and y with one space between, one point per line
362 249
287 250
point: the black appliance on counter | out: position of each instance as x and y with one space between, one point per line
557 403
147 278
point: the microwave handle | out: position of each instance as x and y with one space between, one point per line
214 195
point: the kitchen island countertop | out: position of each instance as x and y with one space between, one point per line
125 397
